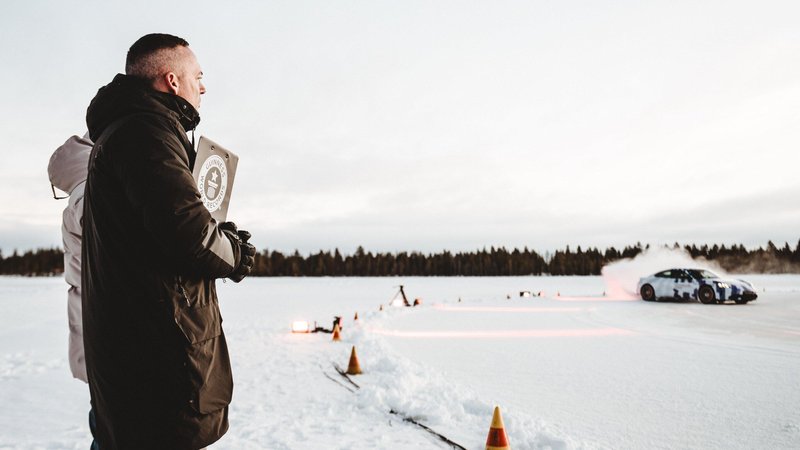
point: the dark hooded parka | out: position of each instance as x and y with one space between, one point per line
156 356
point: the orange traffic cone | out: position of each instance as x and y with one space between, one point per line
356 317
497 439
353 368
337 334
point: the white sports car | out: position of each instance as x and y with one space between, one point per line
695 284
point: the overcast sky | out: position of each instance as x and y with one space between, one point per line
429 125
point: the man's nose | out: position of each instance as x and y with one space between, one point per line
202 88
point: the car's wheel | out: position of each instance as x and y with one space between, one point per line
706 295
648 293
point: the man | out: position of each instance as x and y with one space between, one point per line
156 356
67 171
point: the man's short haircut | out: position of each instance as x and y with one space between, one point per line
153 55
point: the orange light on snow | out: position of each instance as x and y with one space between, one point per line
301 326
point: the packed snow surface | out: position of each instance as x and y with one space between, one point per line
572 368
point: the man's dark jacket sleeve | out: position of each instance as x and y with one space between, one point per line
157 181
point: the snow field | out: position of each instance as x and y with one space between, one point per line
286 381
685 375
577 370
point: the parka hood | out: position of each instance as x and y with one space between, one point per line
69 164
127 95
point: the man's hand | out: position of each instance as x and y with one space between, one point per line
247 251
246 260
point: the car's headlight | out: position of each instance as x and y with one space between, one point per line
723 285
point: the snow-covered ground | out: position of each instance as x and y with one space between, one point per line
575 370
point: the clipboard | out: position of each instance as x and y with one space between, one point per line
214 172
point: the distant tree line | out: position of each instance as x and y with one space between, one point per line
43 261
492 262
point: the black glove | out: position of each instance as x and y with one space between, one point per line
247 251
243 235
234 232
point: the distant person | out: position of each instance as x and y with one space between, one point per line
67 171
156 356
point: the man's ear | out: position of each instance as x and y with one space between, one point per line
171 80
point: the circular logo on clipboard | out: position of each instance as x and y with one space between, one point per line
213 182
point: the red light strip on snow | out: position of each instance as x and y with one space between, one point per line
592 299
531 309
503 334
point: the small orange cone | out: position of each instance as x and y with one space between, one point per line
353 368
497 439
337 335
356 317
